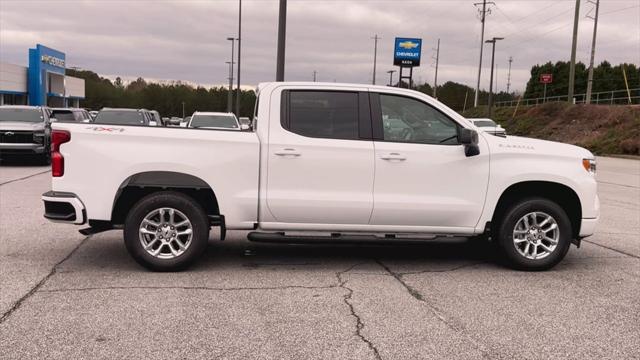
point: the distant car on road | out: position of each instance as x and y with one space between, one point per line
489 126
25 130
157 118
115 116
71 114
214 120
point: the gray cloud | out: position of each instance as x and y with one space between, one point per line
185 40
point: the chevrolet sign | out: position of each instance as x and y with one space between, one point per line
52 60
407 52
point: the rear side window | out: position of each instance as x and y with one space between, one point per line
321 114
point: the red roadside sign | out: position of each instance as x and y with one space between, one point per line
546 78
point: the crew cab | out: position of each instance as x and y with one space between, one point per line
25 130
324 163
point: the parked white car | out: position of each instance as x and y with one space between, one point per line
215 120
321 164
489 126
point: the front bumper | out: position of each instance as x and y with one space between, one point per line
21 148
588 227
64 207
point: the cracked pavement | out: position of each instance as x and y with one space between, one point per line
63 295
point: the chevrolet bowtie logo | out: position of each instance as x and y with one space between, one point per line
9 133
408 45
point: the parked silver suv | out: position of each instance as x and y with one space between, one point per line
25 130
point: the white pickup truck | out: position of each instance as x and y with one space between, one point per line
324 162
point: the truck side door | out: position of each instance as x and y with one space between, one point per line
422 176
320 157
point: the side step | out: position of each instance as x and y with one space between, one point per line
279 237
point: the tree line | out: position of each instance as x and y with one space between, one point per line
168 99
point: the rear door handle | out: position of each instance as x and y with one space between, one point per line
393 156
287 152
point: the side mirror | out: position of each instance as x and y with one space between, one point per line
244 127
469 138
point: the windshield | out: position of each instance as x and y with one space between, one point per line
120 117
23 115
481 123
63 115
220 121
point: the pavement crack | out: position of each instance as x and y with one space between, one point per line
359 323
24 177
612 249
440 270
439 314
18 303
204 288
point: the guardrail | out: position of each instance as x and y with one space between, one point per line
616 97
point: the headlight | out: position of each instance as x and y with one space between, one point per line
589 165
38 138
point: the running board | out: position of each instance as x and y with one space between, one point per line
262 237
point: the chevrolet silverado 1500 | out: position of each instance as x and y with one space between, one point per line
334 162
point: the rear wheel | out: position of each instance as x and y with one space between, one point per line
535 234
166 231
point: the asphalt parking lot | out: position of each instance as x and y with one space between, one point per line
63 295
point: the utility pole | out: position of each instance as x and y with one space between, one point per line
483 15
390 72
493 55
314 75
183 111
230 92
497 92
238 91
593 52
435 82
375 56
572 66
509 75
282 37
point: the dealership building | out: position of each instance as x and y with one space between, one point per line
43 82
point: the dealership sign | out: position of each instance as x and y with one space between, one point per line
52 60
407 52
546 78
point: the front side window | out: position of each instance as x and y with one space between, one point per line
409 120
323 114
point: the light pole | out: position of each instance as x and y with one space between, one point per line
493 55
282 37
239 57
375 56
390 72
230 94
183 111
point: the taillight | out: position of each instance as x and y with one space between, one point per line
58 137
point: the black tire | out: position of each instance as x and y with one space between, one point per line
167 199
505 232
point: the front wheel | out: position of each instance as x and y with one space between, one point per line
535 234
166 231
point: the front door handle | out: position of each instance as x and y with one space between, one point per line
287 152
393 156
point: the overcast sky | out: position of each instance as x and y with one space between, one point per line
186 40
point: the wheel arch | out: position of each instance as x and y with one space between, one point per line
559 193
139 185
